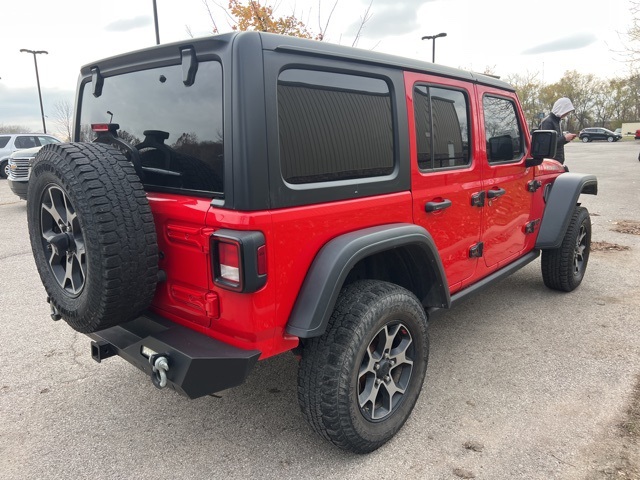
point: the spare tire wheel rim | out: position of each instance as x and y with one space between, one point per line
385 372
62 240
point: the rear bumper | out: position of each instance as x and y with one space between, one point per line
198 365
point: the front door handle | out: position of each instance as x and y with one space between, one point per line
435 206
495 193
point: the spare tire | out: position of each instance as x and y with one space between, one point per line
92 234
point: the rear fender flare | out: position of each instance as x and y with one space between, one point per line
335 260
563 197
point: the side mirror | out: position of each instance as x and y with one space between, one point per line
543 145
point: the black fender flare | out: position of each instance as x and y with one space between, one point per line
334 261
561 201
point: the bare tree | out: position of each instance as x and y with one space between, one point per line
63 119
14 129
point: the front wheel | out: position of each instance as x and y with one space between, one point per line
609 139
4 168
585 139
360 380
563 268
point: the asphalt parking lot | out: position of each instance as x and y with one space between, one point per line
523 382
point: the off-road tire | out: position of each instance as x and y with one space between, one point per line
342 362
92 235
563 268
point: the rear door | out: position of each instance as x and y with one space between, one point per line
508 201
445 175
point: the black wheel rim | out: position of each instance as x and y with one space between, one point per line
385 371
580 251
62 240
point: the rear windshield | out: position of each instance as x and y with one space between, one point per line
177 129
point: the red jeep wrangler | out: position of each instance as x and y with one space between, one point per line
235 197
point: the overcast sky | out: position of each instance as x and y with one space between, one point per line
546 37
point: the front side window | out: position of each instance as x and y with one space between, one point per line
333 127
442 127
25 142
177 129
502 130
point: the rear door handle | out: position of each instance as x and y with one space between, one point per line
435 206
495 193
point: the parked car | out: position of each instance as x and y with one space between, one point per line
597 133
11 142
618 131
637 136
19 164
263 194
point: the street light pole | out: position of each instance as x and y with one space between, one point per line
155 21
35 62
433 37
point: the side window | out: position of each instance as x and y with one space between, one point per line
4 141
442 127
502 130
47 140
25 142
333 127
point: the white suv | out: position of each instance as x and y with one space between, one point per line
9 143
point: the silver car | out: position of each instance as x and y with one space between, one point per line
19 167
11 142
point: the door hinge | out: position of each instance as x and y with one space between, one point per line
476 250
531 226
534 185
477 199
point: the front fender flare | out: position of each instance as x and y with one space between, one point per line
562 200
335 260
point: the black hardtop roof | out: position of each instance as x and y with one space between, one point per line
271 41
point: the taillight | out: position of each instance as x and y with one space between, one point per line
239 260
229 258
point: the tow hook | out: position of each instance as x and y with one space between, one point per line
160 367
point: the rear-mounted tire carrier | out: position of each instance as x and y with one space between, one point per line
197 364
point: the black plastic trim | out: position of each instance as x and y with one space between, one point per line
486 282
561 202
198 365
335 260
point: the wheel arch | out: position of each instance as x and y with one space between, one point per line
561 201
400 253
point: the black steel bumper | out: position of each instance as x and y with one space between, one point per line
198 365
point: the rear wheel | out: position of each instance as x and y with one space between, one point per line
563 268
92 235
360 380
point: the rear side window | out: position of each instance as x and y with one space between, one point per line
177 129
47 140
333 127
502 130
4 141
442 127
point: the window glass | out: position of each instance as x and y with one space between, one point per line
177 129
26 142
442 127
502 130
333 127
4 141
47 140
